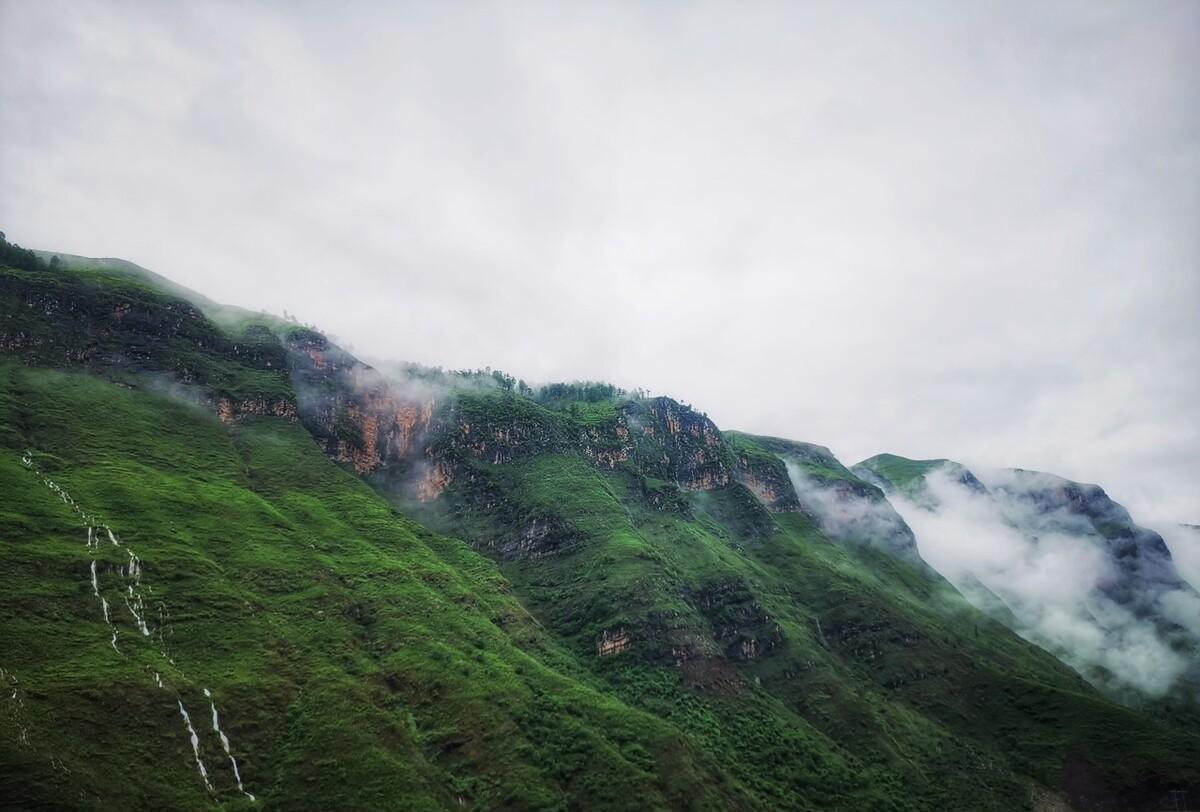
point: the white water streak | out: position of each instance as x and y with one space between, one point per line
225 743
187 720
136 605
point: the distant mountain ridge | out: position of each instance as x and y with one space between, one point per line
1132 591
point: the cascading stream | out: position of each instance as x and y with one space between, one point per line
216 723
187 721
130 574
15 704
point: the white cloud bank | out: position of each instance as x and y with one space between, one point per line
1184 544
1049 568
846 515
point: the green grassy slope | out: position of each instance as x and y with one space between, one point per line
911 698
902 472
357 660
626 625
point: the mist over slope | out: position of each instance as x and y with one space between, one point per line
410 587
1068 565
1184 543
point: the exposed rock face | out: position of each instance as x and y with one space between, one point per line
767 478
431 480
356 415
677 443
231 411
612 642
609 446
496 429
740 625
658 438
540 537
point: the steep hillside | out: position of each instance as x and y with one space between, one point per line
710 594
357 660
1065 564
642 612
845 506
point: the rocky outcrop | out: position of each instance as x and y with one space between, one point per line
658 439
357 416
537 538
764 474
741 627
496 429
676 443
607 446
612 642
431 479
230 410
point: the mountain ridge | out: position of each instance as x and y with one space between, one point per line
720 651
1137 574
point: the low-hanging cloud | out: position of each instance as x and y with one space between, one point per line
845 514
1050 569
1184 543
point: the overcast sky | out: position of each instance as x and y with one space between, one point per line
961 229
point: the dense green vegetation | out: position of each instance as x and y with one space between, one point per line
358 660
853 654
595 611
14 256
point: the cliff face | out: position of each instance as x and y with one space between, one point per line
495 429
677 443
357 416
767 479
658 438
